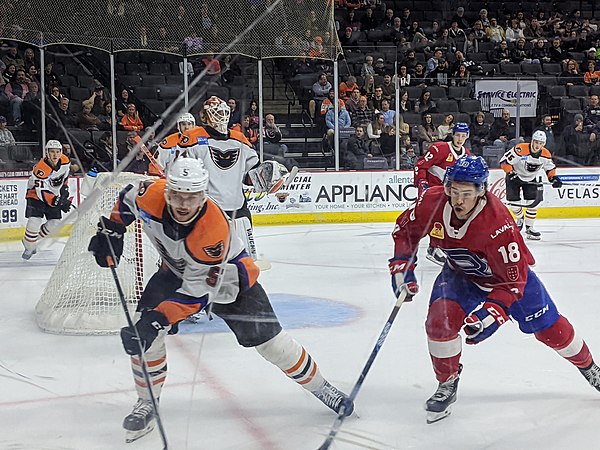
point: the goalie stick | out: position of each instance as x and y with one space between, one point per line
339 420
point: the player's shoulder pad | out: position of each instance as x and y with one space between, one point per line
42 169
151 197
546 153
170 141
64 159
522 149
239 136
192 137
208 243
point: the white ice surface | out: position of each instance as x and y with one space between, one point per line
514 392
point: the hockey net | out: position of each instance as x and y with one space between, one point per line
81 298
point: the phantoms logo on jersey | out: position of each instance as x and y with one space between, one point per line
224 159
214 251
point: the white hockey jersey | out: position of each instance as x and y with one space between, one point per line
46 181
526 166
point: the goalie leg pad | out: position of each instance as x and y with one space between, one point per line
293 360
243 229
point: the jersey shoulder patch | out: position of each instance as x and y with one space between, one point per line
151 197
522 149
170 141
193 137
42 169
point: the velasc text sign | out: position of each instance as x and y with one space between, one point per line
503 94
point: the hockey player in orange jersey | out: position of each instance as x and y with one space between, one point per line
204 265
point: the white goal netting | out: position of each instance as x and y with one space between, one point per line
81 298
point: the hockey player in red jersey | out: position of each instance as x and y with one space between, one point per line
486 280
204 265
431 167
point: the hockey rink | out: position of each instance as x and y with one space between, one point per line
331 288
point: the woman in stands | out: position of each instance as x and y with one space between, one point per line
445 129
427 132
592 76
425 104
368 88
122 103
374 131
461 77
405 103
571 75
479 134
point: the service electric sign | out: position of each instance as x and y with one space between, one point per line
498 94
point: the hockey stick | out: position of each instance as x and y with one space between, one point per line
113 269
339 420
148 153
539 197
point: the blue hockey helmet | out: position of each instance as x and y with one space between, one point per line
468 169
461 127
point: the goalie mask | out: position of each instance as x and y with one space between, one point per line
185 192
185 122
215 113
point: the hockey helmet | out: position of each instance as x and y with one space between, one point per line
461 127
186 118
468 169
53 143
538 136
215 113
187 175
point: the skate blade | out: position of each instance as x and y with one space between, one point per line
433 416
263 264
435 261
131 436
534 238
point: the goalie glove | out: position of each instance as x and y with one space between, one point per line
268 177
109 234
403 277
484 322
148 327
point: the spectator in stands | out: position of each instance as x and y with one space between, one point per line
140 163
445 42
6 139
461 77
413 31
479 134
29 58
351 22
87 120
472 67
349 38
433 62
375 129
356 150
540 52
387 142
439 76
122 103
15 92
379 66
460 19
32 74
503 131
578 141
368 87
230 69
388 19
403 77
592 76
514 32
520 54
353 102
389 115
434 32
483 17
317 50
591 113
344 121
10 73
320 91
346 88
408 156
425 103
500 54
235 115
376 99
419 77
12 57
272 139
533 30
396 32
557 53
363 115
252 112
131 121
53 99
50 77
330 101
406 18
445 128
2 81
63 115
546 127
410 61
571 74
427 132
495 32
369 21
389 91
105 117
591 55
74 163
97 100
248 131
367 67
211 64
32 107
479 32
405 104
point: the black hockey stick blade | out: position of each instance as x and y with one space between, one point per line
339 420
539 197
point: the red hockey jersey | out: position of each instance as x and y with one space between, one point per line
487 248
432 166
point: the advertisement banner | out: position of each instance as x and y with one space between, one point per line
498 94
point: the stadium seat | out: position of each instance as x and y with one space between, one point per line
552 68
531 69
492 155
557 91
78 94
136 68
570 104
130 80
169 93
414 92
448 105
156 106
459 92
159 69
595 90
68 80
578 91
152 57
85 81
470 106
510 69
437 92
146 93
154 80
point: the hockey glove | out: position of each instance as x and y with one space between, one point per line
511 176
65 204
422 186
148 327
484 322
403 278
556 183
268 177
109 234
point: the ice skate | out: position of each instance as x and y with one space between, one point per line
592 374
436 256
532 234
196 317
27 254
334 398
439 405
140 422
520 223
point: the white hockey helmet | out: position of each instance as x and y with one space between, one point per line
216 114
187 175
53 143
540 136
186 118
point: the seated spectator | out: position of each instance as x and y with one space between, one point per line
514 32
252 112
457 33
445 128
211 64
32 74
411 61
60 119
387 142
356 150
374 131
571 75
419 77
15 92
533 30
520 54
577 142
75 167
248 131
271 139
320 91
403 77
389 91
346 88
500 54
389 115
495 32
461 21
7 140
97 100
317 50
53 98
329 102
379 66
50 78
557 53
10 73
349 38
367 67
344 121
12 57
352 22
462 77
229 69
368 22
87 120
427 132
540 52
131 121
368 87
479 134
396 33
353 102
503 131
425 104
140 163
122 103
363 115
592 76
376 99
439 77
546 127
235 115
479 31
32 107
408 156
29 58
405 103
591 113
106 117
433 62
